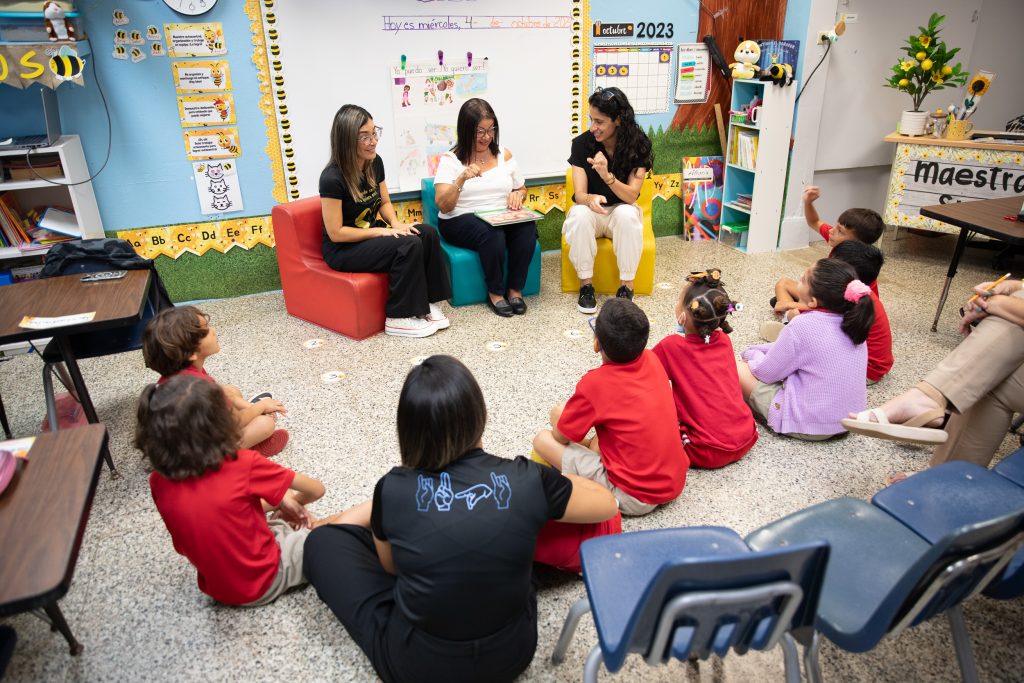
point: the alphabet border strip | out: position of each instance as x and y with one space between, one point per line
198 238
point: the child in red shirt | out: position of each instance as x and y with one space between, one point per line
637 453
701 364
213 497
862 225
867 261
178 341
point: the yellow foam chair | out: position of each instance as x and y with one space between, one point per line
606 269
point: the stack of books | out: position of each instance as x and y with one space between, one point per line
744 201
744 149
18 231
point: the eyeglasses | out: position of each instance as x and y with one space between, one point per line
590 321
365 138
605 94
485 132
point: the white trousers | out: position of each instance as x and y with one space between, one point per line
623 224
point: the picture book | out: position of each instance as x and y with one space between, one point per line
702 197
500 217
778 52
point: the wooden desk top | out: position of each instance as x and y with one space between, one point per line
986 216
943 142
115 302
43 514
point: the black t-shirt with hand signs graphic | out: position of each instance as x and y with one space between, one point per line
584 147
354 214
463 539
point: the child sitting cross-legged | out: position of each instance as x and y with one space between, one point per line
213 496
810 378
637 453
178 341
715 425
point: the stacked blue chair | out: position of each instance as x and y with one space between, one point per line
1011 584
689 593
468 285
883 577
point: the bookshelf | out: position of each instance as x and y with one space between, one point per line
36 192
757 157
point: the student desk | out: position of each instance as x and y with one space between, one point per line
987 217
116 303
43 513
930 170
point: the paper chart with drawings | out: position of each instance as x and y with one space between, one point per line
425 100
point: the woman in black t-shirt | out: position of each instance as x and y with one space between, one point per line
362 233
433 577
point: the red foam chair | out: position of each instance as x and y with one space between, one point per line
349 303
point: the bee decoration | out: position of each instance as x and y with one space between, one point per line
225 142
289 152
779 74
275 49
272 33
270 18
286 124
66 66
293 180
217 75
287 137
283 108
279 80
280 94
276 64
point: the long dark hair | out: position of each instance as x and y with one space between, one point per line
441 414
345 150
184 427
632 146
827 282
707 302
471 113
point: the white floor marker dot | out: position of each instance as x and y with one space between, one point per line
418 360
573 334
496 346
314 343
332 376
665 285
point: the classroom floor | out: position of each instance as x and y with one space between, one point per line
134 603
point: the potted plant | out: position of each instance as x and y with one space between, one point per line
925 69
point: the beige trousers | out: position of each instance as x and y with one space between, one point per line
983 380
623 224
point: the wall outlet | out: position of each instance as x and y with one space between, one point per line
826 36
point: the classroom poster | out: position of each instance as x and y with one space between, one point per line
217 185
211 143
201 76
425 100
195 40
702 197
205 110
693 73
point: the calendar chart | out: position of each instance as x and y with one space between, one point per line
643 72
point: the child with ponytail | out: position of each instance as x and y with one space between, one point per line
700 364
812 376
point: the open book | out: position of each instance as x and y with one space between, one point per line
500 217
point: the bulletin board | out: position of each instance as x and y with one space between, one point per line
324 54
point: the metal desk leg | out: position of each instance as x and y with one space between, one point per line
83 393
961 242
3 420
58 621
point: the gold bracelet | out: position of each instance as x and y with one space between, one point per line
611 182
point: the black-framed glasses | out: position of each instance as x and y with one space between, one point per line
484 132
365 138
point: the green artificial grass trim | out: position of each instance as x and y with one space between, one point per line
667 216
549 230
217 276
670 146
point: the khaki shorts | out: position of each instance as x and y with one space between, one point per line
578 459
289 568
760 402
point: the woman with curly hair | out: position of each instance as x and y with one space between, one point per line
609 163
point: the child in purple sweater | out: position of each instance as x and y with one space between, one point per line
810 378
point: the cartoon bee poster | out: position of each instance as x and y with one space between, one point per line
217 185
212 143
201 76
206 110
195 40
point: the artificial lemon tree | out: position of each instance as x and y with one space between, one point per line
926 68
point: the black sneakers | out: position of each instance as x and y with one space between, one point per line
624 292
587 302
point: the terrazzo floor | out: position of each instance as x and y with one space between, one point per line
134 603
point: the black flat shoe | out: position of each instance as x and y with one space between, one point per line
502 308
518 305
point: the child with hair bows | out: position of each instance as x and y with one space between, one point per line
812 376
700 364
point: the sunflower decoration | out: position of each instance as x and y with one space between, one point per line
979 85
928 65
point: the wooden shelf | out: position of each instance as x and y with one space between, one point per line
29 184
751 126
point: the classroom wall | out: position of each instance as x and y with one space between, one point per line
997 48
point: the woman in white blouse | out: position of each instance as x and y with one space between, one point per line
478 175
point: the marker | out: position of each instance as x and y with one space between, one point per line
469 59
440 57
403 65
989 288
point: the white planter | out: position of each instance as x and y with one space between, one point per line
914 123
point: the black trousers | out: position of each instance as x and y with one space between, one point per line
341 563
490 244
414 264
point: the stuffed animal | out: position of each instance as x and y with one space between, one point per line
747 54
57 26
779 74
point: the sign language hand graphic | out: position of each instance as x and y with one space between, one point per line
502 490
424 493
475 494
443 497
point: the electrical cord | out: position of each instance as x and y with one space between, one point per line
714 29
103 97
828 46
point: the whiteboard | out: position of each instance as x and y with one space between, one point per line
858 111
334 53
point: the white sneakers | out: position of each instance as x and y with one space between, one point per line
418 327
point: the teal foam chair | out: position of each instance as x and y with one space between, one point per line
468 285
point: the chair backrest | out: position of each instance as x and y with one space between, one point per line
298 230
429 201
643 201
694 606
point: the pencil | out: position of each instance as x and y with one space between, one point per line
989 288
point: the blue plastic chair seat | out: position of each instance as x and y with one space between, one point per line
1012 467
1011 584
